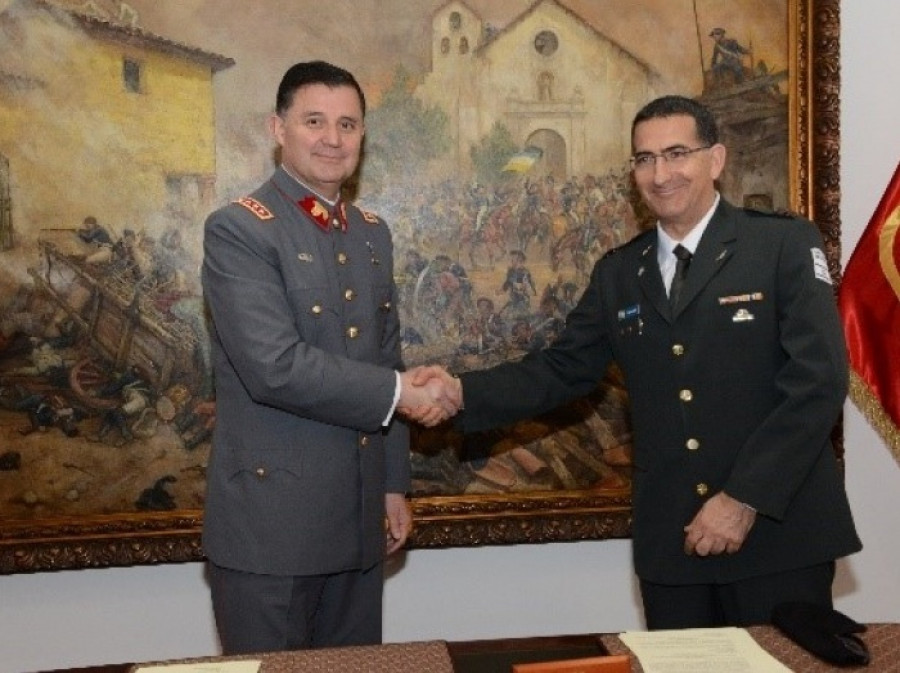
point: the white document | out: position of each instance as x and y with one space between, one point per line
247 666
722 650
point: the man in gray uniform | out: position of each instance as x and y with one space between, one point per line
308 473
724 323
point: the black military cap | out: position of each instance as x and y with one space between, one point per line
822 631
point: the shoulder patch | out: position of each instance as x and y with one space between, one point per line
255 207
820 265
369 216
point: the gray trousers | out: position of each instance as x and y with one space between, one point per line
266 613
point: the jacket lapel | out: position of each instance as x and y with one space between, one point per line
649 277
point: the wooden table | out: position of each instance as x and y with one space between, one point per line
497 656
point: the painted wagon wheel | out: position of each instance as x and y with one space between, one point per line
87 378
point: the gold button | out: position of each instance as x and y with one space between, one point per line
685 395
341 258
364 441
677 349
316 309
336 223
386 306
692 444
702 489
353 332
260 472
348 295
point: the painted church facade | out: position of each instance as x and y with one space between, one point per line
554 81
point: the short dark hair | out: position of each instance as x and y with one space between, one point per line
671 106
303 74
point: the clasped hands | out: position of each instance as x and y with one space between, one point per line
429 395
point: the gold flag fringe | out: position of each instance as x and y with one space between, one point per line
871 408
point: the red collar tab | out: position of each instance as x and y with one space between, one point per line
319 213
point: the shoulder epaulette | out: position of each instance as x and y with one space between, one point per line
255 207
369 216
634 241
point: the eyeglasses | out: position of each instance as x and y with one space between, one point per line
674 157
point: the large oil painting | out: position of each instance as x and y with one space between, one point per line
497 150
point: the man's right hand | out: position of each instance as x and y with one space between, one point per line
429 395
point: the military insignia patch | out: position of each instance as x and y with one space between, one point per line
316 211
369 216
820 265
255 207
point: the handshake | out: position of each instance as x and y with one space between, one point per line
429 395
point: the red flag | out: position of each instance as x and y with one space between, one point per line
869 303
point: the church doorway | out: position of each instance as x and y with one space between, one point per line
553 161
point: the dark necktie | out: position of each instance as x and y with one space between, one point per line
681 268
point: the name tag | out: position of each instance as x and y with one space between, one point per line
630 322
629 312
740 298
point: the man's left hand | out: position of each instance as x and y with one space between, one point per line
721 526
399 520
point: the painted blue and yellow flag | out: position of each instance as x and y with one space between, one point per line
521 162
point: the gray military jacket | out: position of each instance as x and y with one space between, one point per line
305 343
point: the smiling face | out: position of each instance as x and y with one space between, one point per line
321 136
679 194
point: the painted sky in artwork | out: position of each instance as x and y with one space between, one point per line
372 37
